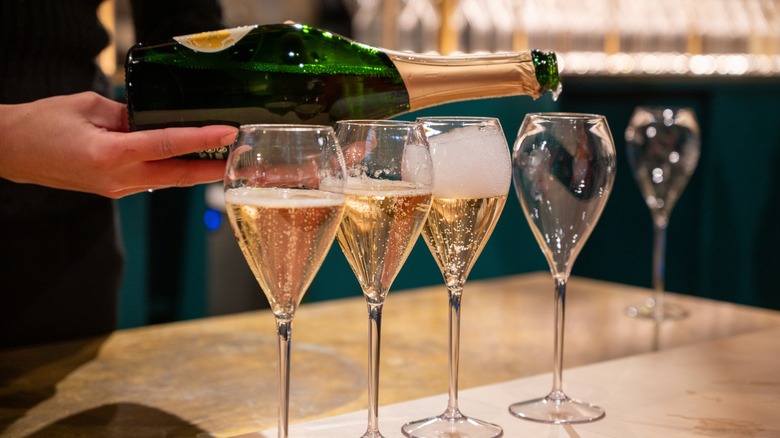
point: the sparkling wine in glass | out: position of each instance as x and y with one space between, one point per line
472 174
563 171
283 195
388 190
662 146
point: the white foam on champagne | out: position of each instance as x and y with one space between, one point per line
363 185
470 163
282 198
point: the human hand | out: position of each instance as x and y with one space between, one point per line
81 142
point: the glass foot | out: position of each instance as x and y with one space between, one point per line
667 311
372 434
447 425
557 409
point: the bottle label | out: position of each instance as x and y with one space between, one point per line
213 41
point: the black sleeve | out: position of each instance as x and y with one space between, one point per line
156 20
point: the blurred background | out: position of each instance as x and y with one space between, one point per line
719 57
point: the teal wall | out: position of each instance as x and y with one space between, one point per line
722 242
722 239
166 257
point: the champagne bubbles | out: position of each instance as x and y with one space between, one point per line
459 172
416 164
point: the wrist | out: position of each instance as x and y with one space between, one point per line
13 127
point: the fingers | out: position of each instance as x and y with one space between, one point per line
146 160
165 173
160 144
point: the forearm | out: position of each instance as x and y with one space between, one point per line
13 120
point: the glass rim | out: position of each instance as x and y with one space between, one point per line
660 105
664 107
377 122
283 127
555 115
463 120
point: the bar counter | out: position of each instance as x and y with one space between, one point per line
216 377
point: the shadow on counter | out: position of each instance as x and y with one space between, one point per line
30 376
119 420
19 393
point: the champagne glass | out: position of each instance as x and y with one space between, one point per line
284 198
472 173
662 146
388 189
563 171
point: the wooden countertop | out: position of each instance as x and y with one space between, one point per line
217 376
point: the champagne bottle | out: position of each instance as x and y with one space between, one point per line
292 73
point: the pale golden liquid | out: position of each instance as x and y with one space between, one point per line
285 235
456 232
378 232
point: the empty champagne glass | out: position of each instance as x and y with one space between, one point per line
662 147
563 171
388 189
472 173
283 195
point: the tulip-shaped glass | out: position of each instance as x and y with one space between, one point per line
563 171
283 195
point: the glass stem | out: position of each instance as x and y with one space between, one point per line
374 336
455 295
284 330
560 306
659 269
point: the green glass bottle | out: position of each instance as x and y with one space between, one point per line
292 73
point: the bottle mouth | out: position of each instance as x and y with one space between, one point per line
546 66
